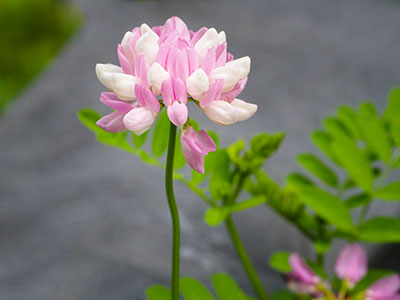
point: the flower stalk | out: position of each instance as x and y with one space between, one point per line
239 247
174 214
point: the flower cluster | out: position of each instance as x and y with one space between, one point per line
351 266
168 66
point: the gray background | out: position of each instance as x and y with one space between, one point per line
79 220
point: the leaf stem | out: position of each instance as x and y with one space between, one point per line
239 247
174 214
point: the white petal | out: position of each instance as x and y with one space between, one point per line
124 86
139 120
222 37
208 40
197 83
105 73
147 44
126 40
144 28
232 72
244 109
156 76
222 113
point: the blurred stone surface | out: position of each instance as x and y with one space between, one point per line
79 220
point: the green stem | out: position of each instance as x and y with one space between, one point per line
239 247
245 260
174 214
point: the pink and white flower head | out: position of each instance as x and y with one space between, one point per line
387 288
167 66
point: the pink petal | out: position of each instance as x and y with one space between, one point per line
162 55
179 88
193 59
112 101
301 270
232 94
195 146
112 122
229 57
147 99
388 286
157 29
209 61
172 61
124 62
213 93
182 65
195 160
197 35
177 25
178 113
352 263
141 69
221 55
167 91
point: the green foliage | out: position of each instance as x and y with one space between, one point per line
315 166
225 288
380 230
33 32
389 192
279 261
328 207
220 185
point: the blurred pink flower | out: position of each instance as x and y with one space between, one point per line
387 288
352 263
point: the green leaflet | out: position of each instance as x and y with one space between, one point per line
392 115
219 184
298 181
158 292
354 161
224 285
389 192
279 261
227 288
318 168
374 132
160 134
191 289
328 207
322 140
139 140
380 230
357 200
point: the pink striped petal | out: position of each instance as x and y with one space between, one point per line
179 88
141 69
232 94
147 99
171 61
209 61
178 113
197 35
182 65
124 62
221 55
112 101
175 24
193 59
167 91
162 55
213 93
112 122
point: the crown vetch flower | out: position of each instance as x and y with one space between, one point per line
168 66
352 263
